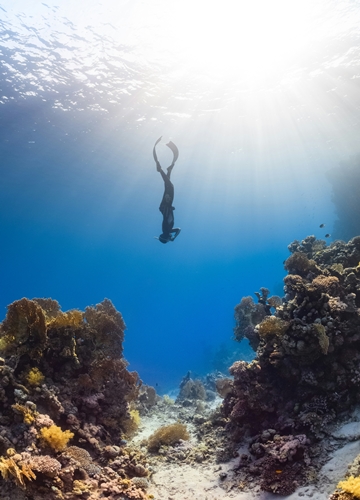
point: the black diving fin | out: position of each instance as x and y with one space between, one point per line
174 149
170 145
154 150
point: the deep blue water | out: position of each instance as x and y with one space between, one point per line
79 191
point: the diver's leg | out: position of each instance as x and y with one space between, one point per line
164 176
169 170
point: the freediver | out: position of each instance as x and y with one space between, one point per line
169 233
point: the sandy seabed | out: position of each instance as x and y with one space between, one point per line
183 481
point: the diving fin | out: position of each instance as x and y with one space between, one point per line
154 150
170 145
174 149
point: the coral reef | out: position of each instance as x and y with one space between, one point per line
191 389
248 315
307 366
62 377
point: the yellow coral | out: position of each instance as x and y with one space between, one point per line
320 332
55 437
351 485
131 425
74 318
8 468
28 414
79 487
168 435
35 377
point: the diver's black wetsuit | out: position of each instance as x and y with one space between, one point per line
166 207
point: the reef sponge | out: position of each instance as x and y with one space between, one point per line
167 435
24 329
271 325
35 377
351 485
10 469
56 438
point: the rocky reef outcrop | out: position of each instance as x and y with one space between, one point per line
67 405
307 367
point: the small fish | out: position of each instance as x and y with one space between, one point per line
322 225
327 235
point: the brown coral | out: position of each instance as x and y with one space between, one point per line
44 464
24 329
298 263
271 325
326 284
108 326
167 435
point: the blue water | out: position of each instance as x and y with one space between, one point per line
80 111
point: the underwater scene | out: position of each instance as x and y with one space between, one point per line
180 251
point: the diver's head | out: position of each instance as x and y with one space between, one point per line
164 238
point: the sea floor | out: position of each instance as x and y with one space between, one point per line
202 478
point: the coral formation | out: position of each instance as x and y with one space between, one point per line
62 377
168 435
191 389
35 377
307 365
351 485
56 438
248 315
